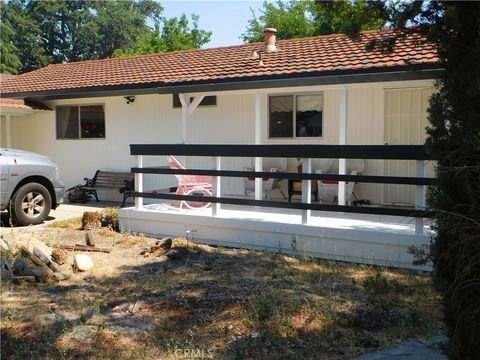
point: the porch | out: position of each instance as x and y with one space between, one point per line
363 234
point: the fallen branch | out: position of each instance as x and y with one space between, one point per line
78 247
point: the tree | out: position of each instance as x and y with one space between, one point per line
55 31
121 22
175 34
454 143
292 19
9 61
303 18
25 40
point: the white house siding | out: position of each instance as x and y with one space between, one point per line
3 131
151 119
405 123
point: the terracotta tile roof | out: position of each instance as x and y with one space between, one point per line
305 56
6 103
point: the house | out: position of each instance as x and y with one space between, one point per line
318 90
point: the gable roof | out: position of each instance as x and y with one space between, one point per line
305 57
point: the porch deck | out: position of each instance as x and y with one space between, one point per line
370 239
369 235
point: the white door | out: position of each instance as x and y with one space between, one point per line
405 123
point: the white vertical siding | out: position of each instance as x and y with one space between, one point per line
3 131
152 119
405 123
232 121
365 126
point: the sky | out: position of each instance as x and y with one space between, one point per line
226 19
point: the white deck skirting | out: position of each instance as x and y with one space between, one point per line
367 239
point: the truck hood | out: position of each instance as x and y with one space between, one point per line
28 155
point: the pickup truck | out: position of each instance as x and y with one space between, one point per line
30 186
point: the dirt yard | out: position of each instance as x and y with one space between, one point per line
210 302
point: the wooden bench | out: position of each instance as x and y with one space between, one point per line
110 180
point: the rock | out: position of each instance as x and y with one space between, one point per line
178 253
60 256
50 318
23 279
82 262
41 274
42 250
4 245
181 270
59 276
21 265
6 270
54 267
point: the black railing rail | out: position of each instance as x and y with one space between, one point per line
391 152
377 152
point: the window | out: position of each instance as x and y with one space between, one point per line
80 122
292 116
207 101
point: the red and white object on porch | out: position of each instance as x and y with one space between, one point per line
191 185
328 189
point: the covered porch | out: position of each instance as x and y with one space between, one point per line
363 234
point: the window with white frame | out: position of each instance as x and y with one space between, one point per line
80 122
295 116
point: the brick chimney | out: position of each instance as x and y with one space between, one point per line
269 34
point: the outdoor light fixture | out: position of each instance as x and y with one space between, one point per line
130 99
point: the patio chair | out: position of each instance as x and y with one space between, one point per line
268 184
191 185
328 189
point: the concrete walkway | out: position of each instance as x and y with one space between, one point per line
412 350
64 211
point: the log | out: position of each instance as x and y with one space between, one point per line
36 260
89 238
78 247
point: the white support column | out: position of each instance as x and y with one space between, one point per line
258 141
217 186
420 197
139 183
194 104
342 164
8 131
306 190
185 101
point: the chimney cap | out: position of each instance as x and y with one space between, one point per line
270 30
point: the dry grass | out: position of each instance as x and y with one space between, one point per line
228 303
73 223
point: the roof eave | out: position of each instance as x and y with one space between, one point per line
399 73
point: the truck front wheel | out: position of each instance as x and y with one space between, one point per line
31 204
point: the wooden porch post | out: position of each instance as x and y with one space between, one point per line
306 190
420 197
342 164
217 186
185 101
258 141
139 183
